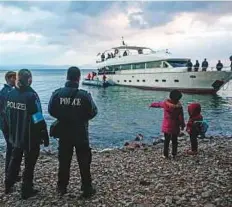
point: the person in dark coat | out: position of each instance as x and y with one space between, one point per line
219 65
189 65
102 57
10 78
125 53
204 65
196 66
26 128
231 62
73 108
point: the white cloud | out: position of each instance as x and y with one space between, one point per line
192 34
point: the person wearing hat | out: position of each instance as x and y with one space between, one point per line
27 129
10 78
73 108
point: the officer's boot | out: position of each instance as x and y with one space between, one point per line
88 191
28 191
61 190
8 187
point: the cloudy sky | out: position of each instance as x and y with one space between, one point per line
72 33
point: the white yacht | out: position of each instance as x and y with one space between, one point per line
144 68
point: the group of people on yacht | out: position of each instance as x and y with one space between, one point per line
115 54
205 65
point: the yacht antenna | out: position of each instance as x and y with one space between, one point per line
123 43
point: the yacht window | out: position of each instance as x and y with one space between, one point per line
129 80
156 80
176 80
118 81
192 76
153 64
177 63
137 80
138 66
163 80
126 67
144 81
124 80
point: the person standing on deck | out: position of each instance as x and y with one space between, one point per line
189 65
219 65
204 65
196 66
231 62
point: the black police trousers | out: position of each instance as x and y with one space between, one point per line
30 159
84 158
8 152
167 139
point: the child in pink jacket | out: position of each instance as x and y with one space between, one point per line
173 119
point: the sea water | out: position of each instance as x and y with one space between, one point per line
123 112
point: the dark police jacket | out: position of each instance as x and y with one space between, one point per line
73 108
24 121
3 94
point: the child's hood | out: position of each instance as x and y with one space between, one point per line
194 109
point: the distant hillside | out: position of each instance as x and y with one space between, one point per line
31 67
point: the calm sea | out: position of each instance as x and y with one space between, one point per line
124 112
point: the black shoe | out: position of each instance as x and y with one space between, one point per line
88 193
18 178
61 191
28 193
8 188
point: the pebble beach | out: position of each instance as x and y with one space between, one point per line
139 177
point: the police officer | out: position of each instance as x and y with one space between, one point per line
73 108
27 130
10 77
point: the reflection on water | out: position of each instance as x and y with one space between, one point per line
124 112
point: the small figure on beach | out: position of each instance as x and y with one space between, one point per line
73 108
136 143
27 130
195 126
173 120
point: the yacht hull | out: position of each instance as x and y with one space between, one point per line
190 82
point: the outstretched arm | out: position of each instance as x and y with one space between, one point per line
157 104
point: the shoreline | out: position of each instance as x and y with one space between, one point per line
125 177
